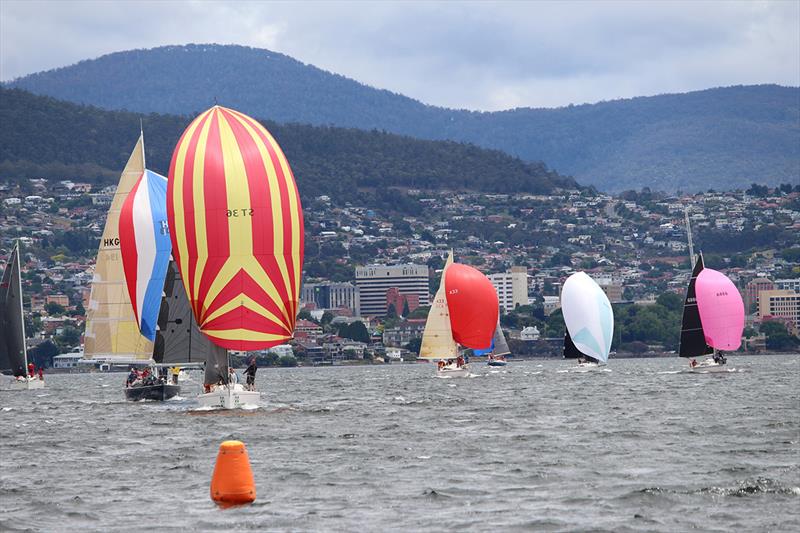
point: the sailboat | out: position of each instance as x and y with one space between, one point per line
713 316
236 226
589 321
437 339
465 311
496 356
13 351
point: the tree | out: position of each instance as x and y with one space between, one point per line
414 345
69 337
42 355
54 309
406 310
670 300
287 360
391 312
778 338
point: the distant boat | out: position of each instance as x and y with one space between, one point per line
437 339
496 356
589 321
13 351
465 311
713 319
236 225
713 315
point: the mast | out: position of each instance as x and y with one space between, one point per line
689 234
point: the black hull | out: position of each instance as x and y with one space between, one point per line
157 393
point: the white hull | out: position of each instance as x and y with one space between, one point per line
229 397
453 372
709 366
27 384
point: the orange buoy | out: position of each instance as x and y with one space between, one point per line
232 482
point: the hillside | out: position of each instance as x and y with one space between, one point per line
720 138
45 137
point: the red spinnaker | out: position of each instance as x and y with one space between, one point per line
473 305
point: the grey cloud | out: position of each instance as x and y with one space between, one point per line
478 55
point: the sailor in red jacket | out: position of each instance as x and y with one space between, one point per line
31 370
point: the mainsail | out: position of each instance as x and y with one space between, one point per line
570 350
178 339
500 346
693 341
13 352
588 316
437 340
112 330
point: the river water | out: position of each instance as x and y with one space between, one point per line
639 446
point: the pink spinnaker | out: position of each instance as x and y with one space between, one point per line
721 310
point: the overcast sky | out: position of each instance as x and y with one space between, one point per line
475 55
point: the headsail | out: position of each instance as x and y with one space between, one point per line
588 316
693 342
112 330
145 247
721 310
437 340
236 226
13 352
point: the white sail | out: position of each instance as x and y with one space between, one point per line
437 340
588 316
112 331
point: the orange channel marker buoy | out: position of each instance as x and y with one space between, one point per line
232 482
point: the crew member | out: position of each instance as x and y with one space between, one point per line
250 372
31 370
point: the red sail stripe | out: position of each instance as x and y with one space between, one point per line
127 238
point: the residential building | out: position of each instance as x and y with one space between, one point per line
788 284
530 333
511 287
400 301
404 332
374 281
550 304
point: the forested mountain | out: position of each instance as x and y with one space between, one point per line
718 138
41 136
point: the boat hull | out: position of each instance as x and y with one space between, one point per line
497 363
27 384
229 397
709 366
459 372
158 393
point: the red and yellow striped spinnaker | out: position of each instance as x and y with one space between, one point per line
236 226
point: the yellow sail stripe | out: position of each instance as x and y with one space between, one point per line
199 200
179 231
247 302
240 334
240 232
277 210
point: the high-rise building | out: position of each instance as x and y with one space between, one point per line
752 289
780 304
374 281
511 287
788 284
332 296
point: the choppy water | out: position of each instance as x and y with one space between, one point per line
639 447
